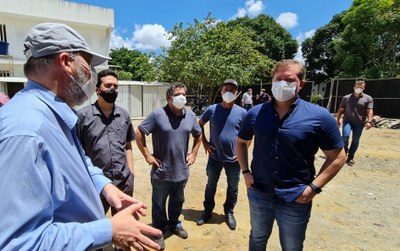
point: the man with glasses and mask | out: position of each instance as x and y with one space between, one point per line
105 132
282 180
225 122
50 188
171 127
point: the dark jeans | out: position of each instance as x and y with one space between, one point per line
356 131
232 171
292 219
161 191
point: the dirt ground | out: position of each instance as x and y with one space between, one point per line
357 210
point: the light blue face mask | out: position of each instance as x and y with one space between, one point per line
283 91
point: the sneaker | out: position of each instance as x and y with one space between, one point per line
160 241
180 232
204 217
230 221
350 162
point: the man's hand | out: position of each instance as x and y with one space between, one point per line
208 147
151 160
190 159
307 195
129 232
248 180
120 200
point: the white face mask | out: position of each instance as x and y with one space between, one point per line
179 101
283 91
228 97
358 90
81 89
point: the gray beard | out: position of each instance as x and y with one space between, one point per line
75 94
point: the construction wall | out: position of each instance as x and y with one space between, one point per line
385 92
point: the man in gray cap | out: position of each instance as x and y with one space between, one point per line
50 188
225 122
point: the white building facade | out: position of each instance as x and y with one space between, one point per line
94 23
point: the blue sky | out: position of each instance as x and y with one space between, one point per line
142 24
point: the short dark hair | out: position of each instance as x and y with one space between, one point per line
286 62
104 73
173 86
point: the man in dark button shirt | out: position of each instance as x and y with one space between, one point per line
105 131
281 184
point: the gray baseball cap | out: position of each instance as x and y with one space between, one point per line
230 81
51 38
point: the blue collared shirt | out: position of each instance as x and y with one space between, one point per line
50 190
284 149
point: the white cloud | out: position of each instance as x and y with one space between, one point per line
253 8
300 39
144 37
299 55
118 41
150 36
287 20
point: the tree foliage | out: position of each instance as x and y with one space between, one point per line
206 53
132 64
363 41
319 50
273 40
370 44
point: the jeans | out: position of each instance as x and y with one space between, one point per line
292 219
161 191
232 171
349 127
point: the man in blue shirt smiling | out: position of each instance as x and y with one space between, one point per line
50 190
282 180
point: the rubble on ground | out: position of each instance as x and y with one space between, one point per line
380 122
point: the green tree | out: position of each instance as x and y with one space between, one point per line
370 44
272 39
134 62
206 53
319 50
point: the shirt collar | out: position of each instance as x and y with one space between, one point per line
166 108
55 103
97 111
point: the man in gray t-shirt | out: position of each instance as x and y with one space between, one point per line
357 111
171 127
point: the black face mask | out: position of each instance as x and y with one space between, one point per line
109 96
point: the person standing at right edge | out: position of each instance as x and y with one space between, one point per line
282 183
357 112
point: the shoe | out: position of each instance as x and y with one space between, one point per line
204 217
230 221
350 162
160 241
180 232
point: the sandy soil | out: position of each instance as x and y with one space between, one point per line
358 210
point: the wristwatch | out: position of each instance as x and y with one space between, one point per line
315 188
